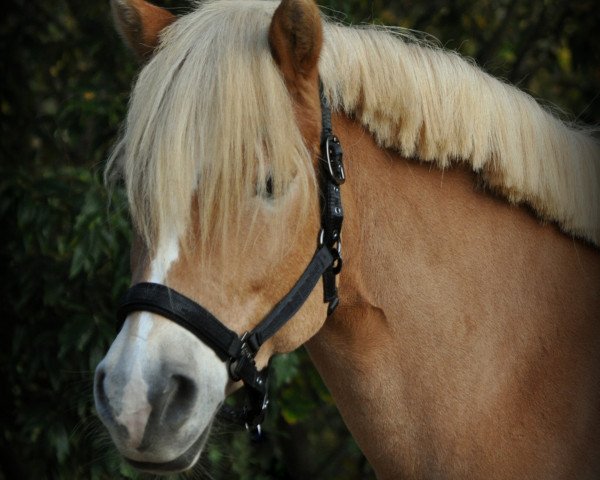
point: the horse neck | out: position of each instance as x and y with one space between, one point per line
455 310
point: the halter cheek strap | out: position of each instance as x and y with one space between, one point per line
239 351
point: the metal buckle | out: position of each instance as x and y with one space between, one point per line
259 416
256 434
334 154
257 407
336 247
246 354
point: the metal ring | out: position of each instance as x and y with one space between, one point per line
336 267
338 245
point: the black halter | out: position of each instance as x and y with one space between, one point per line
239 352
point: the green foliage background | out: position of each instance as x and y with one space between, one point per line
65 84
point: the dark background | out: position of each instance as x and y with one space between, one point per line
64 88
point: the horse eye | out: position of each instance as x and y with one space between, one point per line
267 189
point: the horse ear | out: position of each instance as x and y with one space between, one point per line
295 38
140 24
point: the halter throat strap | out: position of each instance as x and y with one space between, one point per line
239 351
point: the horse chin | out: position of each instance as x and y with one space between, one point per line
183 462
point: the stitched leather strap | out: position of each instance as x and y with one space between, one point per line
291 303
164 301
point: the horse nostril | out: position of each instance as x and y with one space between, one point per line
181 392
102 404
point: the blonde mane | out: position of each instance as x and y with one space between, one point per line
210 114
434 106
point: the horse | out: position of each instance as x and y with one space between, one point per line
466 342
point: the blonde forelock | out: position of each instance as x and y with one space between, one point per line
209 118
434 106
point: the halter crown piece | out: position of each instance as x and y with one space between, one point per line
239 351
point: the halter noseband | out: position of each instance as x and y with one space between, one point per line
239 352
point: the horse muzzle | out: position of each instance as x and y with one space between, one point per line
157 401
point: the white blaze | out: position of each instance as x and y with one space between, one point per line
147 346
135 407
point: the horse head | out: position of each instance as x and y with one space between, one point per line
219 160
